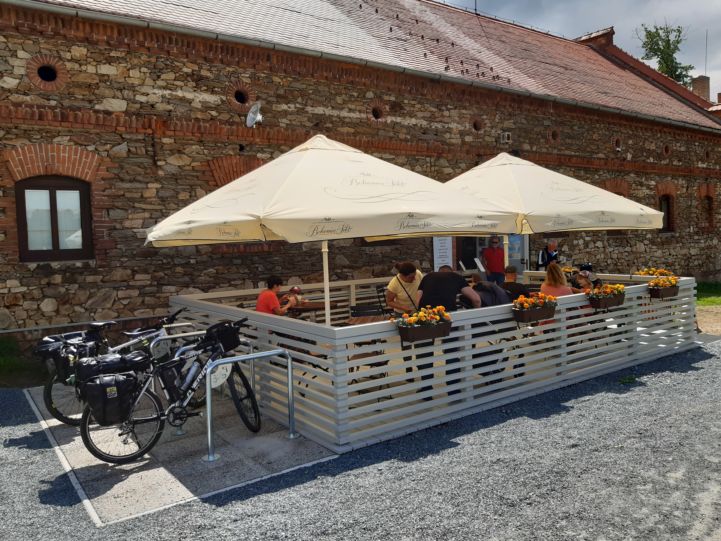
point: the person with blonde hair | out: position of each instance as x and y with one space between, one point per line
555 283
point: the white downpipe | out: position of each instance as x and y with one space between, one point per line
326 282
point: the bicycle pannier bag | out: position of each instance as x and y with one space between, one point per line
225 334
110 397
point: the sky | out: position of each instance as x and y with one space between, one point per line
573 18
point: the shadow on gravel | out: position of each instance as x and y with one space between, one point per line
434 440
32 440
59 492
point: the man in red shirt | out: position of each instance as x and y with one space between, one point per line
268 302
494 261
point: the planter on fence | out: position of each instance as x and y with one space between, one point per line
663 292
607 302
533 314
425 332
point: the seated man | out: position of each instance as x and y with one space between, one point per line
513 288
442 288
268 302
491 294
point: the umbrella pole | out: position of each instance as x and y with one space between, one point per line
326 282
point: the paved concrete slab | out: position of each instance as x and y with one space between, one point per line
174 471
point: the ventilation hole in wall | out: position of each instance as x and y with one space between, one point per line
477 125
47 73
554 135
240 96
377 113
708 155
241 147
617 144
666 150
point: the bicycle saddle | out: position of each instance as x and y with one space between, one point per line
137 333
100 325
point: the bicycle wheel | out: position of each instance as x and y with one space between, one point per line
244 398
62 401
129 440
198 399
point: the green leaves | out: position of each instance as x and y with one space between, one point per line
663 43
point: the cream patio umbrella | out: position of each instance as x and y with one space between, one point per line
548 201
324 190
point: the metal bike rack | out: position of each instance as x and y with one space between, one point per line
168 337
292 434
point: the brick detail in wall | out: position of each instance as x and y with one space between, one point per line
227 168
45 60
52 159
210 130
707 190
666 187
618 186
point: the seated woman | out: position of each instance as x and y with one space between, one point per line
555 283
402 290
268 302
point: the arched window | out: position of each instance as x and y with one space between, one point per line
53 219
665 205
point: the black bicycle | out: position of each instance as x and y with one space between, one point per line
61 352
124 419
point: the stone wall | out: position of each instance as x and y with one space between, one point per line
154 121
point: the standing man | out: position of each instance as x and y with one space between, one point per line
547 255
493 260
442 288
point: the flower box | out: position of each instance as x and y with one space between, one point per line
534 314
417 333
663 292
602 303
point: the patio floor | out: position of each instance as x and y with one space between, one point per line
174 471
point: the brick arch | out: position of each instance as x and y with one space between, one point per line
667 187
52 159
707 189
227 168
618 186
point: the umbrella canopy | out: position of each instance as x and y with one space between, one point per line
549 201
325 190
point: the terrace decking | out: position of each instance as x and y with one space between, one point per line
356 385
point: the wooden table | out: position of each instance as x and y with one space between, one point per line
309 307
362 320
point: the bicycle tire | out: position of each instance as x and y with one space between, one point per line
244 398
124 436
198 399
62 401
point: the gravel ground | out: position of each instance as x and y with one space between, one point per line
600 460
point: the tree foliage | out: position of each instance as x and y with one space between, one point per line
663 43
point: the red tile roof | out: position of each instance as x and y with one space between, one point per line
423 36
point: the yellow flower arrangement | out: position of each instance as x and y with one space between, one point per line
604 291
536 300
425 316
663 281
653 271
